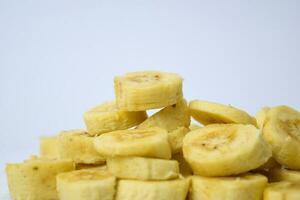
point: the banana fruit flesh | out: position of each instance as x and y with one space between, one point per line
86 184
152 190
78 146
143 168
35 178
280 174
49 147
261 116
139 91
107 117
225 149
151 142
245 187
282 191
210 113
282 131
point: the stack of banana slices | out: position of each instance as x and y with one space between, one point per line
124 154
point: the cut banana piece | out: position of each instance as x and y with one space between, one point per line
151 142
245 187
86 184
184 167
49 147
78 146
143 168
147 90
107 117
280 174
35 178
282 131
152 190
212 113
225 149
175 138
282 191
261 116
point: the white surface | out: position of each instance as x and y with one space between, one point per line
58 58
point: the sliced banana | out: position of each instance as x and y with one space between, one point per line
147 90
143 168
150 142
86 184
152 190
282 131
281 174
175 139
225 149
245 187
282 191
35 178
78 146
184 167
107 117
211 113
49 147
261 116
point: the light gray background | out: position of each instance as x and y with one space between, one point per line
58 58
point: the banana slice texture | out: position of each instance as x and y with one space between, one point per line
78 146
150 142
86 184
212 113
282 191
282 131
244 187
261 116
107 117
35 178
152 190
184 168
281 174
49 147
143 168
145 90
225 149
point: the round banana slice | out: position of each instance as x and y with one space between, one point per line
225 149
143 168
147 90
150 142
49 147
280 174
282 191
261 116
107 117
86 184
282 131
211 113
152 190
245 187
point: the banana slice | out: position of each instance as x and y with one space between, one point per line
281 174
86 184
225 149
245 187
143 168
175 139
147 90
282 131
49 147
35 178
282 191
211 113
107 117
152 190
261 116
151 142
184 167
78 146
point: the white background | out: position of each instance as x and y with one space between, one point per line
58 58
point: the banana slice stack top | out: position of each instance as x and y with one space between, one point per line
124 154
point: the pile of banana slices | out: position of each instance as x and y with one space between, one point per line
124 154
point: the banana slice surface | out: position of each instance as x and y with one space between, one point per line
49 147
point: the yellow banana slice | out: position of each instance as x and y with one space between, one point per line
107 117
147 90
270 164
261 116
184 167
281 174
35 178
151 142
49 147
212 113
175 139
143 168
282 131
78 146
245 187
86 184
225 149
152 190
282 191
